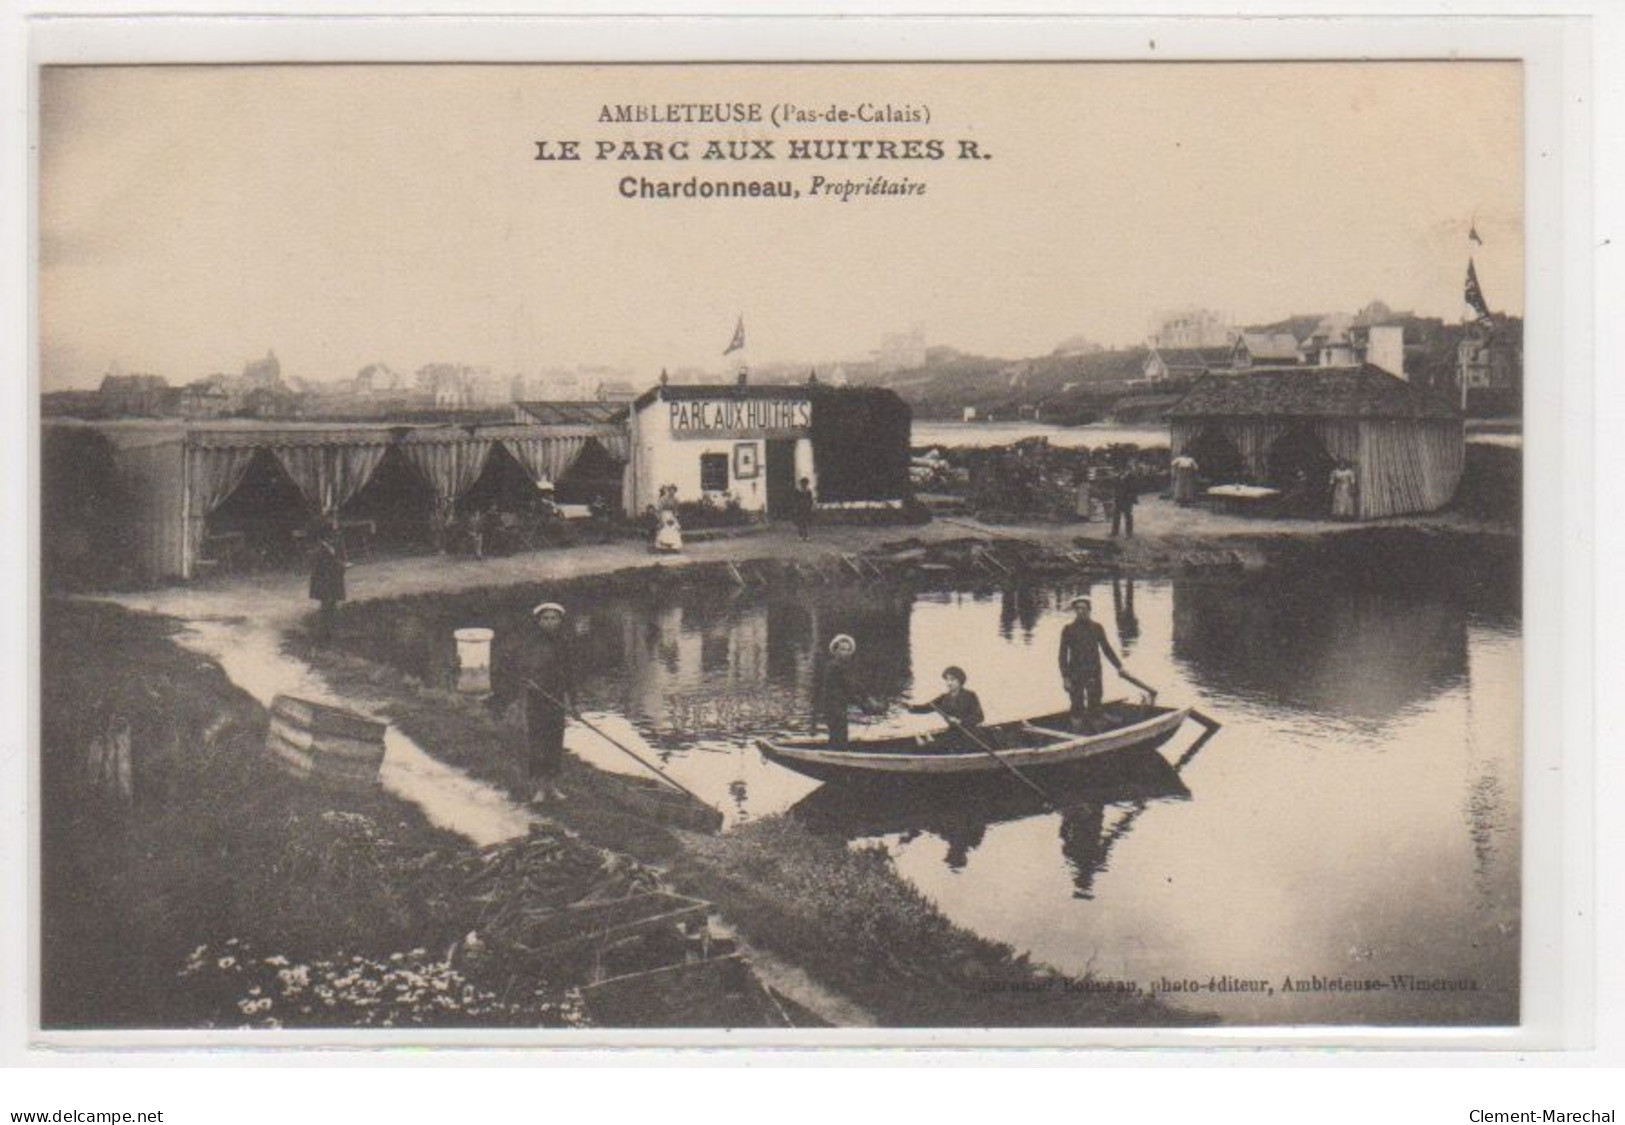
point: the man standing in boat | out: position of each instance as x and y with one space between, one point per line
1083 641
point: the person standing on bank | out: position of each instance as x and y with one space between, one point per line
1344 483
1185 469
327 566
1083 499
833 692
547 678
802 506
1083 641
1125 494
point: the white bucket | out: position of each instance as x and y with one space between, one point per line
473 660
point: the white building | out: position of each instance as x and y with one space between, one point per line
753 444
750 443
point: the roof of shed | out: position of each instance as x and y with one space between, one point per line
1311 392
581 413
1271 345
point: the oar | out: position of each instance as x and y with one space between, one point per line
634 755
1211 724
991 753
1139 683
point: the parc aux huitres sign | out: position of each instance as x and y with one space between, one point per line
741 418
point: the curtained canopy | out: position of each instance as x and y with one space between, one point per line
328 475
451 468
546 458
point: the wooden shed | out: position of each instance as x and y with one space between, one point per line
1286 426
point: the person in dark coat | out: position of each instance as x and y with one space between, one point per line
958 704
327 566
802 506
546 681
833 692
1125 494
1083 641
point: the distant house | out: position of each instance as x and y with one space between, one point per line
1489 373
1184 363
1486 362
373 378
590 413
1331 343
1191 327
270 402
133 394
265 372
203 399
616 390
1264 349
1287 428
71 404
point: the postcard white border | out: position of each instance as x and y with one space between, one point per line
1558 875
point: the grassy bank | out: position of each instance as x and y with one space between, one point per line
846 917
188 883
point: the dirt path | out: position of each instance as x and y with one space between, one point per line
280 599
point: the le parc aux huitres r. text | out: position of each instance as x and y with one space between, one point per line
740 152
810 149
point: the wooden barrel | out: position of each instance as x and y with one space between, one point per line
323 743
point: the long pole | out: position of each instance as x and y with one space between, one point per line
1139 683
991 753
634 755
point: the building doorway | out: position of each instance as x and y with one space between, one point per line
1218 461
1302 469
781 478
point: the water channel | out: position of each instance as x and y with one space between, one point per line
1356 820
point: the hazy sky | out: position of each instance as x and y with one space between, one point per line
191 218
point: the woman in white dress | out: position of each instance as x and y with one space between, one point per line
669 536
1184 467
1344 483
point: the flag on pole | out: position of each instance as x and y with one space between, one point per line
1472 233
1475 297
738 341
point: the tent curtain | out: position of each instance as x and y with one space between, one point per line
215 475
212 475
618 445
451 468
546 458
328 475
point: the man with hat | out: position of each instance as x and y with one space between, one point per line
833 693
1125 494
327 566
1083 640
547 675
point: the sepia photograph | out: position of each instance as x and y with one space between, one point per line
569 548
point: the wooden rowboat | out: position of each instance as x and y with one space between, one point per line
1029 744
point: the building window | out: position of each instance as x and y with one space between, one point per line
713 472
